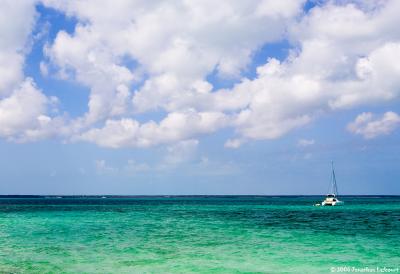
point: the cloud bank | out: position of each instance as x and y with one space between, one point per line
139 58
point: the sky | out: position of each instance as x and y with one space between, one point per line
199 97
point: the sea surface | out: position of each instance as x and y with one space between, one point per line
200 234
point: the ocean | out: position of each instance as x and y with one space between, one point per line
198 234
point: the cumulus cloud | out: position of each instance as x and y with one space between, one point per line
177 44
24 109
371 126
23 114
175 127
16 23
342 60
139 56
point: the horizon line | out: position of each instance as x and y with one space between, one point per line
181 195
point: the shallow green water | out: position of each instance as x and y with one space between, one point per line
197 234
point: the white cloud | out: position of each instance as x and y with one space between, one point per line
305 142
346 57
16 23
175 127
82 58
141 56
278 103
371 126
177 44
23 111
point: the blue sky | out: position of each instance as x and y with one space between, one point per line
255 98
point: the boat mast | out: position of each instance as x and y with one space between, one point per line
334 185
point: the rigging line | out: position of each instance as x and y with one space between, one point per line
335 188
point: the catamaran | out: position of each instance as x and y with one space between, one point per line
331 198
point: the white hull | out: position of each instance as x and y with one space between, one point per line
332 203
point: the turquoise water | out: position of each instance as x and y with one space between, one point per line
197 234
